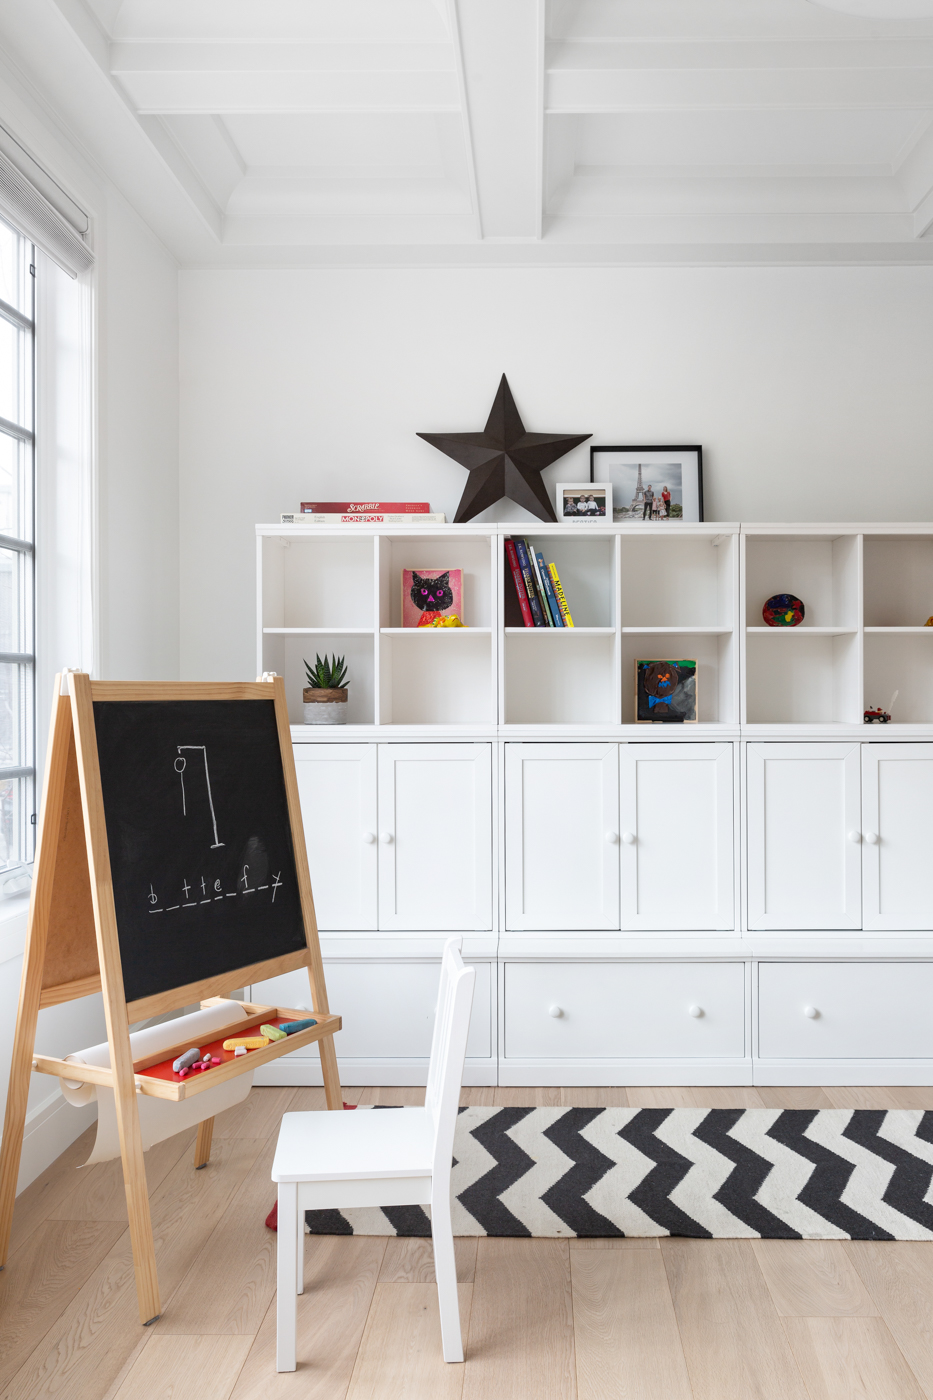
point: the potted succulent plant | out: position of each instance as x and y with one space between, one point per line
325 695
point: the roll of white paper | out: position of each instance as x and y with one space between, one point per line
159 1118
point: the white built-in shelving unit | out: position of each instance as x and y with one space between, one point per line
739 900
634 591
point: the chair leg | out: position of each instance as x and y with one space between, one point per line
445 1269
286 1272
300 1244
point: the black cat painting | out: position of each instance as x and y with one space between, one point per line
430 594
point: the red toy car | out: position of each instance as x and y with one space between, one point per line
881 716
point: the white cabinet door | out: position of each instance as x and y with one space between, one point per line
804 852
677 836
435 837
897 835
562 836
337 787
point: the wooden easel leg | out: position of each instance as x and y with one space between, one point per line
202 1148
332 1091
30 990
14 1121
137 1208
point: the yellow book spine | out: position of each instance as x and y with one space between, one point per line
559 595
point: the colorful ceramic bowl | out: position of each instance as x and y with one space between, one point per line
783 610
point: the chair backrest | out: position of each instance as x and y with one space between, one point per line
448 1050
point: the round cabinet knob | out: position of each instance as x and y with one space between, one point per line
386 838
810 1012
695 1011
871 837
369 837
555 1011
612 837
855 837
628 837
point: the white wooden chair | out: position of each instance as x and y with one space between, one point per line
326 1161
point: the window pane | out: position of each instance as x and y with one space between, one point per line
14 632
15 282
15 378
15 807
13 716
15 484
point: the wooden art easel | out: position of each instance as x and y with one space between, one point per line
73 949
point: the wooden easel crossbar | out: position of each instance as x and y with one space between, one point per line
73 949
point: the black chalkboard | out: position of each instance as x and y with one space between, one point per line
200 841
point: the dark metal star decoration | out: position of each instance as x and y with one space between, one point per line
504 460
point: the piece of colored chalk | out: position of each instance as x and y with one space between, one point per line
183 1073
206 1059
188 1058
252 1042
273 1032
240 1050
214 1060
290 1027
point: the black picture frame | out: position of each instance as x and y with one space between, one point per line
689 459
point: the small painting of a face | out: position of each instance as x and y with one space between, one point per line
665 692
430 593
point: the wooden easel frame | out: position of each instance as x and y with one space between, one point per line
73 949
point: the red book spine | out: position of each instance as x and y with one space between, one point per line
519 584
365 507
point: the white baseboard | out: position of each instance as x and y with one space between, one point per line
818 1072
51 1126
298 1074
574 1073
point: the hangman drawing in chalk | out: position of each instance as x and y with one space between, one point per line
180 766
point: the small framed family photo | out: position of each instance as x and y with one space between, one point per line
577 501
651 483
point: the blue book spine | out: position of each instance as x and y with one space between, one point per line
549 590
528 576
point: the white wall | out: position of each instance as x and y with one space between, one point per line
809 389
137 451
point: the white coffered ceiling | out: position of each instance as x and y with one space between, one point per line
491 131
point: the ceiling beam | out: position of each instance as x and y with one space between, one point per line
646 76
261 77
502 46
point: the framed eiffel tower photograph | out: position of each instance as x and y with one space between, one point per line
651 483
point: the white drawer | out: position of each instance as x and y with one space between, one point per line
624 1010
872 1011
387 1007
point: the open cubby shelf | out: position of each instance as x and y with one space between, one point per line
662 592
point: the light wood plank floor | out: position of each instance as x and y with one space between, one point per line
543 1319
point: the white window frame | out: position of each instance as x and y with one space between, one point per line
23 545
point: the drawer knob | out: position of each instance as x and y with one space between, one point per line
695 1011
810 1012
855 837
628 837
612 837
555 1011
386 838
871 837
369 837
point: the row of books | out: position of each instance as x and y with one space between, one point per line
540 593
364 513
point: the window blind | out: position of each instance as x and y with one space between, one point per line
57 231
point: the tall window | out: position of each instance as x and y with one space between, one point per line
17 555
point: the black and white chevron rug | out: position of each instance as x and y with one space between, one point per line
830 1174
